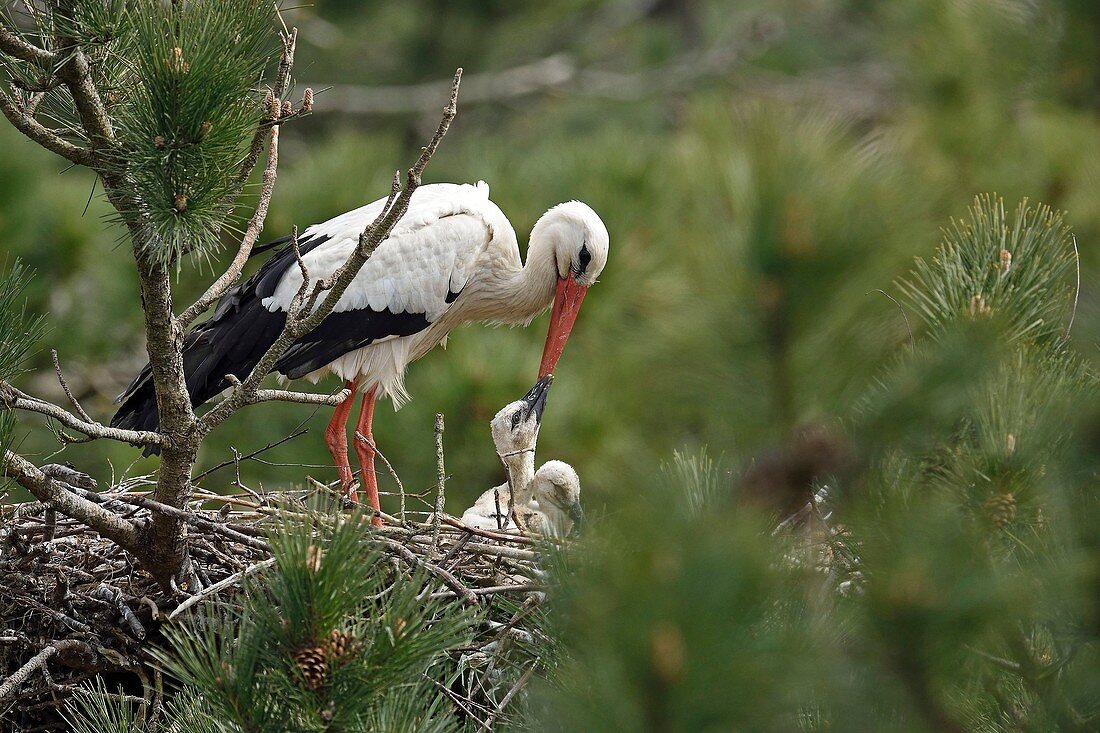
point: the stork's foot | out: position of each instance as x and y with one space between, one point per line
365 450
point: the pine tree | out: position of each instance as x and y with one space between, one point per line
942 580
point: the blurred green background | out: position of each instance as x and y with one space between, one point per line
763 168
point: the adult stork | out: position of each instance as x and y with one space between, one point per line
452 259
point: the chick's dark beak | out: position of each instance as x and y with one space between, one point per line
576 513
536 398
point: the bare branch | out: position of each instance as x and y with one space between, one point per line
302 398
68 392
448 579
511 693
543 75
559 73
220 586
15 46
286 63
251 234
282 82
54 493
183 515
440 481
11 684
45 137
301 321
15 399
283 395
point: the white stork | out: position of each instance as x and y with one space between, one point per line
452 259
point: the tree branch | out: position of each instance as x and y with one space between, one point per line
34 130
16 399
13 45
282 83
11 684
282 395
52 492
557 73
65 387
301 319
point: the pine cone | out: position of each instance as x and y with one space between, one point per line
339 646
311 663
1000 508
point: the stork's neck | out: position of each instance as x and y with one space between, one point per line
516 293
521 473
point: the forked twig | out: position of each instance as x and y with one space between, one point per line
65 386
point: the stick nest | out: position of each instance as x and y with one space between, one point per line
74 605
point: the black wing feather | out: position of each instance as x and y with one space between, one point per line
241 330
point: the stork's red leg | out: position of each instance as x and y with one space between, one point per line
364 449
336 436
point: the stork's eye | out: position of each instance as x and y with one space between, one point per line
583 259
515 419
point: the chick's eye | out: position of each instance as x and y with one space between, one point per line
515 420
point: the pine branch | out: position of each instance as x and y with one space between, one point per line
23 121
15 46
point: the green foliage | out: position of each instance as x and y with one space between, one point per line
19 332
186 111
328 640
180 83
19 336
697 478
92 709
1017 270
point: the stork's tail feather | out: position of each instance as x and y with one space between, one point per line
139 408
228 345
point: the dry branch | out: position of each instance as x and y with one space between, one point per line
557 73
11 684
54 494
15 399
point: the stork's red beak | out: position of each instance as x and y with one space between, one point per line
567 304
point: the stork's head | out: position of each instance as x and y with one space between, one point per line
580 241
557 489
516 427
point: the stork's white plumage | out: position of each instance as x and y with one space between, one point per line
452 259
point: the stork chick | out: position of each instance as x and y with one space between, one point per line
515 431
556 496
